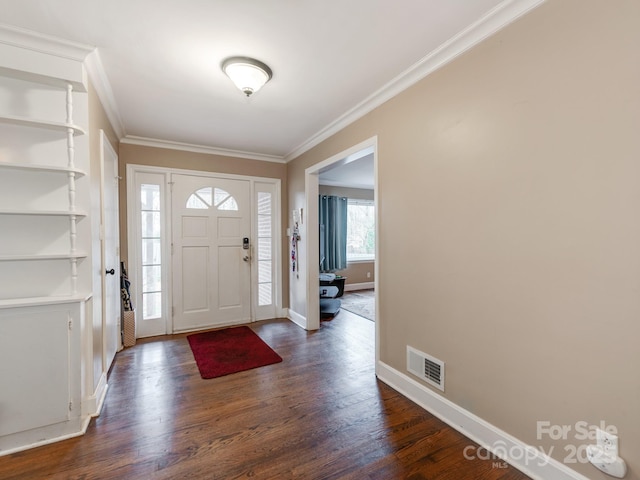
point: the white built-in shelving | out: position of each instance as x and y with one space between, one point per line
43 124
46 253
36 301
44 213
41 256
42 168
72 256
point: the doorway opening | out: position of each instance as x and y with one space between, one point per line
319 178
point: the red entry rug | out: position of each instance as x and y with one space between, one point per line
231 350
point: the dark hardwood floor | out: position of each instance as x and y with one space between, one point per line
320 414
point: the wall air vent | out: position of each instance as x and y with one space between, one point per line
426 367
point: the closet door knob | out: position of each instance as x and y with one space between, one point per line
111 272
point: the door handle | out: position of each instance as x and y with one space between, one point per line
246 258
110 272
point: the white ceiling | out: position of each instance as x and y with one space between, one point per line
358 173
330 60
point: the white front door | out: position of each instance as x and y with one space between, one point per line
211 228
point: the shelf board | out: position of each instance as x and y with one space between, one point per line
41 168
43 213
45 124
60 256
35 301
43 79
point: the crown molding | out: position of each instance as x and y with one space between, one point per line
39 42
189 147
493 21
35 57
100 82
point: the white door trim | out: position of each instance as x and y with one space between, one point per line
133 249
132 169
312 320
267 311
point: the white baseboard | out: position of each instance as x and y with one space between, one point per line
101 400
49 441
296 318
532 461
39 437
92 404
349 287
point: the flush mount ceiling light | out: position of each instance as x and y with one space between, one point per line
248 74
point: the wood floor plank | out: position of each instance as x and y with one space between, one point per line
320 414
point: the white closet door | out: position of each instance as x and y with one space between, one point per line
111 264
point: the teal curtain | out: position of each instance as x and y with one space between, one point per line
333 233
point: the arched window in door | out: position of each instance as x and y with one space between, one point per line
208 197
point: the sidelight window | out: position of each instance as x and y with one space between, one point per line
151 251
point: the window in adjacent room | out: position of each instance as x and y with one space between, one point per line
361 230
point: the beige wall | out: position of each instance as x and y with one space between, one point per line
161 157
98 121
356 272
516 169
